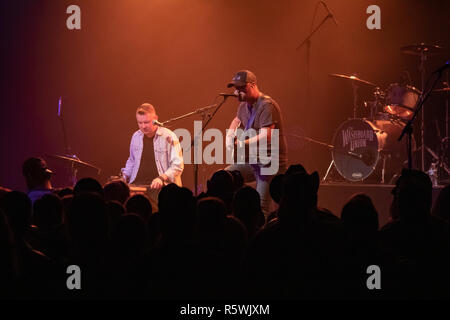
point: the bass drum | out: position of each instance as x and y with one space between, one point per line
362 147
356 149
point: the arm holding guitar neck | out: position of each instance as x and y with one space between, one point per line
234 124
231 133
264 133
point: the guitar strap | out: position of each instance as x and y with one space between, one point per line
252 117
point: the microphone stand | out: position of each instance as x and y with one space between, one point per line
69 156
205 116
66 145
307 42
408 129
197 111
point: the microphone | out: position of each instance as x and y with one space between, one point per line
329 13
445 66
235 94
159 124
229 94
59 106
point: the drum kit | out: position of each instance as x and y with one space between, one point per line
369 147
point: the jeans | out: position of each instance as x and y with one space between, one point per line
252 172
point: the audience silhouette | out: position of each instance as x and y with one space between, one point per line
416 244
219 246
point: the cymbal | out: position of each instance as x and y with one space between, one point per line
354 78
442 90
417 49
74 161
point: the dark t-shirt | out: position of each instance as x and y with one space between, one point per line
267 112
147 167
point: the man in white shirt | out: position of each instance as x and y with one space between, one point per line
156 157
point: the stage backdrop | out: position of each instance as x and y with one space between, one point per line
178 55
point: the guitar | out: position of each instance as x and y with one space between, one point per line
241 152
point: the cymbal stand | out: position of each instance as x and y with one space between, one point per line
328 171
423 58
443 154
423 147
355 98
408 129
72 169
379 96
375 104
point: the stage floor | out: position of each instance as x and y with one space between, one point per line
333 196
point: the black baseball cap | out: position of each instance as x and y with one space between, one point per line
241 78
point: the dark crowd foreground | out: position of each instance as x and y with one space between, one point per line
219 245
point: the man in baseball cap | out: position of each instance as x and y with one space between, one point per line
259 116
241 78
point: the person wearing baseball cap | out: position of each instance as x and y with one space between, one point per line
37 176
260 123
241 78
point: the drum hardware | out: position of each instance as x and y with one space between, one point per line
376 105
420 49
401 100
390 112
353 78
357 152
379 97
74 164
440 165
442 90
355 81
444 159
363 157
383 170
408 127
70 159
424 51
75 161
432 172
